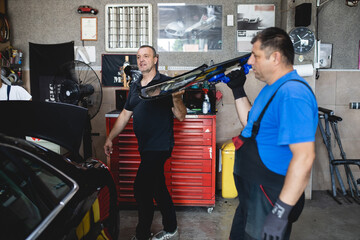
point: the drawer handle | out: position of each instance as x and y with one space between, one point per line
186 177
187 157
127 175
186 163
187 197
126 195
128 168
126 189
186 170
128 162
185 183
131 182
188 190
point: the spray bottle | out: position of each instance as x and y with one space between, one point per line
206 103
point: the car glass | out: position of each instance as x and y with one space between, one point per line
29 191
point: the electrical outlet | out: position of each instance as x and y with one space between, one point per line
354 105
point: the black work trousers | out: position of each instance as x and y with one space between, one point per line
149 185
255 203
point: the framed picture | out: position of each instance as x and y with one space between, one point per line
88 28
252 18
189 28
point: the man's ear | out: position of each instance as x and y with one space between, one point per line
277 57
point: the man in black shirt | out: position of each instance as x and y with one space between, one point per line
153 127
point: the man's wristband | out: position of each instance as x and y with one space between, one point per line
281 209
238 92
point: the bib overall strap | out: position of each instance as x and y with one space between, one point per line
8 92
256 124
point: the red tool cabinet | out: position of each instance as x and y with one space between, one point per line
190 172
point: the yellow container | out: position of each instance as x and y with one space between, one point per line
227 158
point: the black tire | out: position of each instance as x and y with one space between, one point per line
79 11
92 11
4 29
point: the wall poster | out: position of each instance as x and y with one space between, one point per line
112 73
252 18
189 28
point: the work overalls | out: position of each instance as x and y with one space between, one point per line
258 187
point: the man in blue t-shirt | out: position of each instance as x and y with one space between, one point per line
276 149
153 127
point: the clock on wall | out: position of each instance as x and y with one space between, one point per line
303 39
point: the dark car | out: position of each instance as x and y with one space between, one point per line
87 9
47 195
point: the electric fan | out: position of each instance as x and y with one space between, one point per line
77 83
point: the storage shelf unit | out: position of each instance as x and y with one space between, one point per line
189 173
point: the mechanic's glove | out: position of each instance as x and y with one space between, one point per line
276 222
236 83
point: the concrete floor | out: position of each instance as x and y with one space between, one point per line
322 218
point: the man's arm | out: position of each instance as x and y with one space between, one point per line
119 126
243 107
298 174
179 108
296 180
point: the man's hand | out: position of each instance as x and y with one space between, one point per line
236 83
237 78
179 108
108 147
276 222
178 95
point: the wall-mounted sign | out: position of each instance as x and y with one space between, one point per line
252 18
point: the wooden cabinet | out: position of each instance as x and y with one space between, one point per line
190 172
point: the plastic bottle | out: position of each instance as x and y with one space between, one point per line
124 77
206 103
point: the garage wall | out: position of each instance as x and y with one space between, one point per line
339 25
54 21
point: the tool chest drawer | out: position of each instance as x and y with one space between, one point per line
187 165
189 193
189 172
188 179
192 152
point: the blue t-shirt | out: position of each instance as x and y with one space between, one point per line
292 117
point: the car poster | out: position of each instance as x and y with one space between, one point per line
252 18
189 28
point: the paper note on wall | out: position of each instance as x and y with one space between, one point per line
85 54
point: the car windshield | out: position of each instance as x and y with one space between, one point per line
29 191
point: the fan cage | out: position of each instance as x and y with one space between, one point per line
81 74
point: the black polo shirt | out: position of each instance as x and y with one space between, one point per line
153 119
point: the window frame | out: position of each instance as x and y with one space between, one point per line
116 28
61 204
